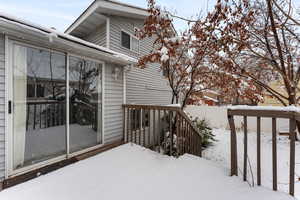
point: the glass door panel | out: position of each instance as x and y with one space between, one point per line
39 105
85 83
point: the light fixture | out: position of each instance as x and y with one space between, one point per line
116 72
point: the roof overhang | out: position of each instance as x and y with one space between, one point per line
95 14
36 35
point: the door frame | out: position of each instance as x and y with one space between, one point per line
9 172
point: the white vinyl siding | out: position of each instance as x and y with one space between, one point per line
113 115
143 86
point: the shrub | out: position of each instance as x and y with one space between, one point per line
207 136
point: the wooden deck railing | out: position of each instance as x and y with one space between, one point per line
161 128
259 113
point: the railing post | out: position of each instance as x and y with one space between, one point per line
245 148
233 147
274 153
258 152
292 156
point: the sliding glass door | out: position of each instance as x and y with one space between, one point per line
39 117
39 123
85 83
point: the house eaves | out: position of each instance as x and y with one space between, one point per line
32 33
95 14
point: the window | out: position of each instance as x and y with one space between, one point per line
125 40
129 41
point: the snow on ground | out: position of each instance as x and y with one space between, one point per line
132 172
220 153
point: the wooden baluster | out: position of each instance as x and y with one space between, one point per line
137 125
171 133
292 156
141 126
245 148
178 126
258 152
274 153
124 124
165 131
132 123
191 139
159 130
154 131
233 147
149 129
128 124
185 137
144 127
194 141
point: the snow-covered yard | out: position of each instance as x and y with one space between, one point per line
220 153
132 172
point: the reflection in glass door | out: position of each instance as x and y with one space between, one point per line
85 97
39 105
38 121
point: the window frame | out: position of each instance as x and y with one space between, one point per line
131 36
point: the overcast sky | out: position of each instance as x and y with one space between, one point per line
61 13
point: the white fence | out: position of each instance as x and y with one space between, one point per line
217 118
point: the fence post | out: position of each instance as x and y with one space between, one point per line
292 156
233 147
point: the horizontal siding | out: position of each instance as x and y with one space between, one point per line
143 86
2 107
98 36
113 123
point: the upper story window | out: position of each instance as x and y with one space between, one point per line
130 41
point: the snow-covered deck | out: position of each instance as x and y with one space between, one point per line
132 172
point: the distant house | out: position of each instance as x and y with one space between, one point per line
271 101
61 94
